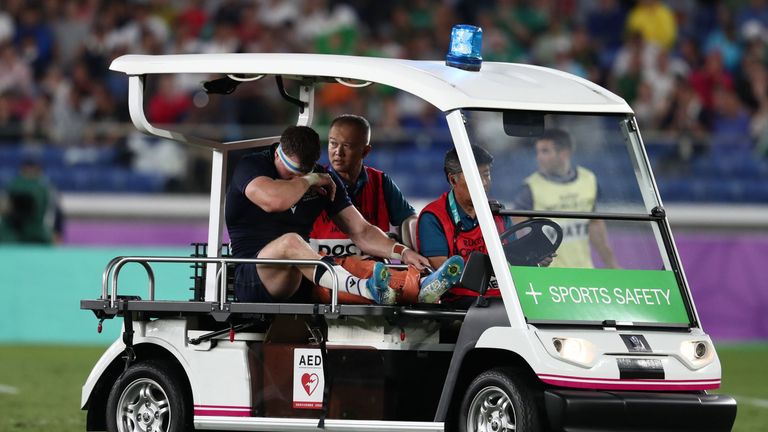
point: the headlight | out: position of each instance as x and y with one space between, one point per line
575 350
697 353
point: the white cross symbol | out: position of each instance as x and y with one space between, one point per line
533 293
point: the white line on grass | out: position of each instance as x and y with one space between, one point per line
6 389
760 403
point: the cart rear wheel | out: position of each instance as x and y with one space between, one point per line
499 401
149 397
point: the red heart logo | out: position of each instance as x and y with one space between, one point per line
309 382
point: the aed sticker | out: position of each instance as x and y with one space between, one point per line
308 379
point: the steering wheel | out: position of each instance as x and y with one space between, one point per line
540 240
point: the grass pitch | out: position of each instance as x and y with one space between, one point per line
40 386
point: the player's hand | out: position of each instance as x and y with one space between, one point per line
415 259
546 261
323 183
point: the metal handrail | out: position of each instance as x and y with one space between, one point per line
116 264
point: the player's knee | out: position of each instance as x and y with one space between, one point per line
292 241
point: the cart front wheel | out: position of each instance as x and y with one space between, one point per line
150 397
499 401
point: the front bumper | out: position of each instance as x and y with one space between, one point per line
591 410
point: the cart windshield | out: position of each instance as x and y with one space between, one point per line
575 189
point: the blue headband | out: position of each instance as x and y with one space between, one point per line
292 167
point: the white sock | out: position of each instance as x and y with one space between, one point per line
347 282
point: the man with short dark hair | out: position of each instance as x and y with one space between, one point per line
274 198
559 185
380 202
448 225
372 192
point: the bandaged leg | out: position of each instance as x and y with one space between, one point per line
373 287
405 283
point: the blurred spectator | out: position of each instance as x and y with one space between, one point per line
707 78
275 13
677 63
9 120
605 25
583 53
15 73
681 119
70 31
321 19
662 76
522 22
628 71
168 104
555 40
38 123
193 18
655 21
730 123
724 39
643 105
634 50
33 214
225 39
34 39
7 27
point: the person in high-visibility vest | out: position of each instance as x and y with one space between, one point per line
559 185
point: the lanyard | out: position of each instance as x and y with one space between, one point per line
454 210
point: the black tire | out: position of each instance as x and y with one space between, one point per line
500 400
153 393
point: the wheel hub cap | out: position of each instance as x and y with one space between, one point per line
143 407
491 411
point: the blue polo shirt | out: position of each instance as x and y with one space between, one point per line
399 209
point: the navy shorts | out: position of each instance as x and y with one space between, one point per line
248 286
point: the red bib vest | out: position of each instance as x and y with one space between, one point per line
327 238
460 242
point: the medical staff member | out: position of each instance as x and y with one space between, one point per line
448 225
373 193
559 185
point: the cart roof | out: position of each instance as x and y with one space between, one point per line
495 86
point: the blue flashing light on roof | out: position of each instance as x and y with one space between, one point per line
464 52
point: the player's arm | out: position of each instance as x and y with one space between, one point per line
277 195
372 240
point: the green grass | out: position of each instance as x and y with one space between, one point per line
47 380
745 378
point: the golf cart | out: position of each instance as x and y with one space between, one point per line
560 349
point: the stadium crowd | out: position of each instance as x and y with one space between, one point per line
693 70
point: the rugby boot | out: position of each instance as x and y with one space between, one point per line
445 277
378 285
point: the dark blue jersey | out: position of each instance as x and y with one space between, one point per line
251 228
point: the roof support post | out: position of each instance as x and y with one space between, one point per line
484 216
307 95
215 223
